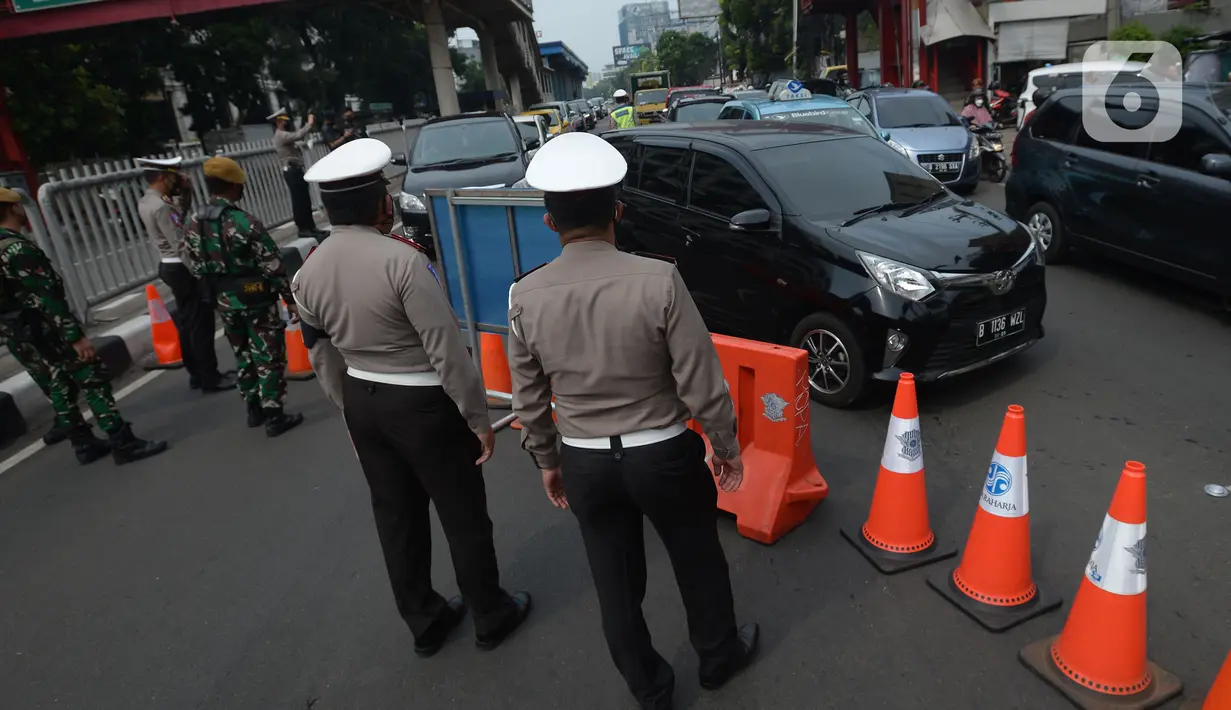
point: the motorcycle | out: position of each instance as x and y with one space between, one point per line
1003 105
992 163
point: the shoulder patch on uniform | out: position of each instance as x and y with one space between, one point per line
531 271
408 242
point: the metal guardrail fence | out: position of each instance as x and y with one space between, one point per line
95 237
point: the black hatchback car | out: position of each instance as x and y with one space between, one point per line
1158 204
831 241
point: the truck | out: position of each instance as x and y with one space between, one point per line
649 90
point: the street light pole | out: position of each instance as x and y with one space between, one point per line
794 38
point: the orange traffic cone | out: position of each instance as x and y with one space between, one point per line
496 375
1219 697
167 355
1099 659
298 366
897 535
993 583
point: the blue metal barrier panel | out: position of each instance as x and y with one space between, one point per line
492 226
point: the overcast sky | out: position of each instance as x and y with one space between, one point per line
588 27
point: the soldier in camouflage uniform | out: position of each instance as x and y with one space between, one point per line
44 336
241 265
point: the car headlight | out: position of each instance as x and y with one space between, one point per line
974 149
411 203
906 281
1040 249
898 147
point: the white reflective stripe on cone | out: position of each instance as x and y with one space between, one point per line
903 447
1005 490
1118 562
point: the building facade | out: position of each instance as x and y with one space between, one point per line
643 22
563 72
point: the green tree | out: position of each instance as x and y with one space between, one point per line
472 76
1183 38
756 36
691 58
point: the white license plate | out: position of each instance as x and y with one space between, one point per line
993 329
942 167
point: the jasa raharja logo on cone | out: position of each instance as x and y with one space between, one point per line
1000 495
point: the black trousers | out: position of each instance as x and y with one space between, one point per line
415 449
195 322
301 199
668 482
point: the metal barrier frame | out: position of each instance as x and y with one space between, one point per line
109 252
507 198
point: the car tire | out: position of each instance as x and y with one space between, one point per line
1045 221
820 332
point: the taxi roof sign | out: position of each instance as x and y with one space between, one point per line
799 92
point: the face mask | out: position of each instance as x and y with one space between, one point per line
979 103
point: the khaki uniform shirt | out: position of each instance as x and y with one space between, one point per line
384 311
617 339
284 145
164 224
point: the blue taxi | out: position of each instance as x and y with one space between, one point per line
798 105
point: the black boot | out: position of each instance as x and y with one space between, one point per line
126 448
56 434
256 415
88 447
278 422
218 383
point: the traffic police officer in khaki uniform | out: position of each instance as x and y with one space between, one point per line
413 402
292 170
164 223
618 342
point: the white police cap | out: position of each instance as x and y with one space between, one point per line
573 162
619 94
280 113
355 165
160 164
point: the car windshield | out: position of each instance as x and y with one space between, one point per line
528 130
914 111
872 174
707 111
841 117
651 96
463 141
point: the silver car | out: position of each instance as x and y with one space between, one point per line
922 125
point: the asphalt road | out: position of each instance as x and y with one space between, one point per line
238 573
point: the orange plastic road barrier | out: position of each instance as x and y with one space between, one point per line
993 583
1219 697
769 387
298 366
1099 659
166 338
496 375
897 535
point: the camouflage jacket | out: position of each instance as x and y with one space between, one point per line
30 285
234 244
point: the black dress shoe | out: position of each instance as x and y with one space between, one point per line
221 383
521 609
436 635
749 635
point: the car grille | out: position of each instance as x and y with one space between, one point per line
957 346
958 157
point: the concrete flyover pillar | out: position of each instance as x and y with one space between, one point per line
491 70
442 63
515 92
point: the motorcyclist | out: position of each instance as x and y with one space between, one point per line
976 109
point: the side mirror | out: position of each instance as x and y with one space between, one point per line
532 143
1040 96
399 159
965 121
885 136
751 220
1217 164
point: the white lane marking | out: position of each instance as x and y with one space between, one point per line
37 446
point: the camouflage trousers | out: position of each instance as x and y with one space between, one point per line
63 377
257 335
